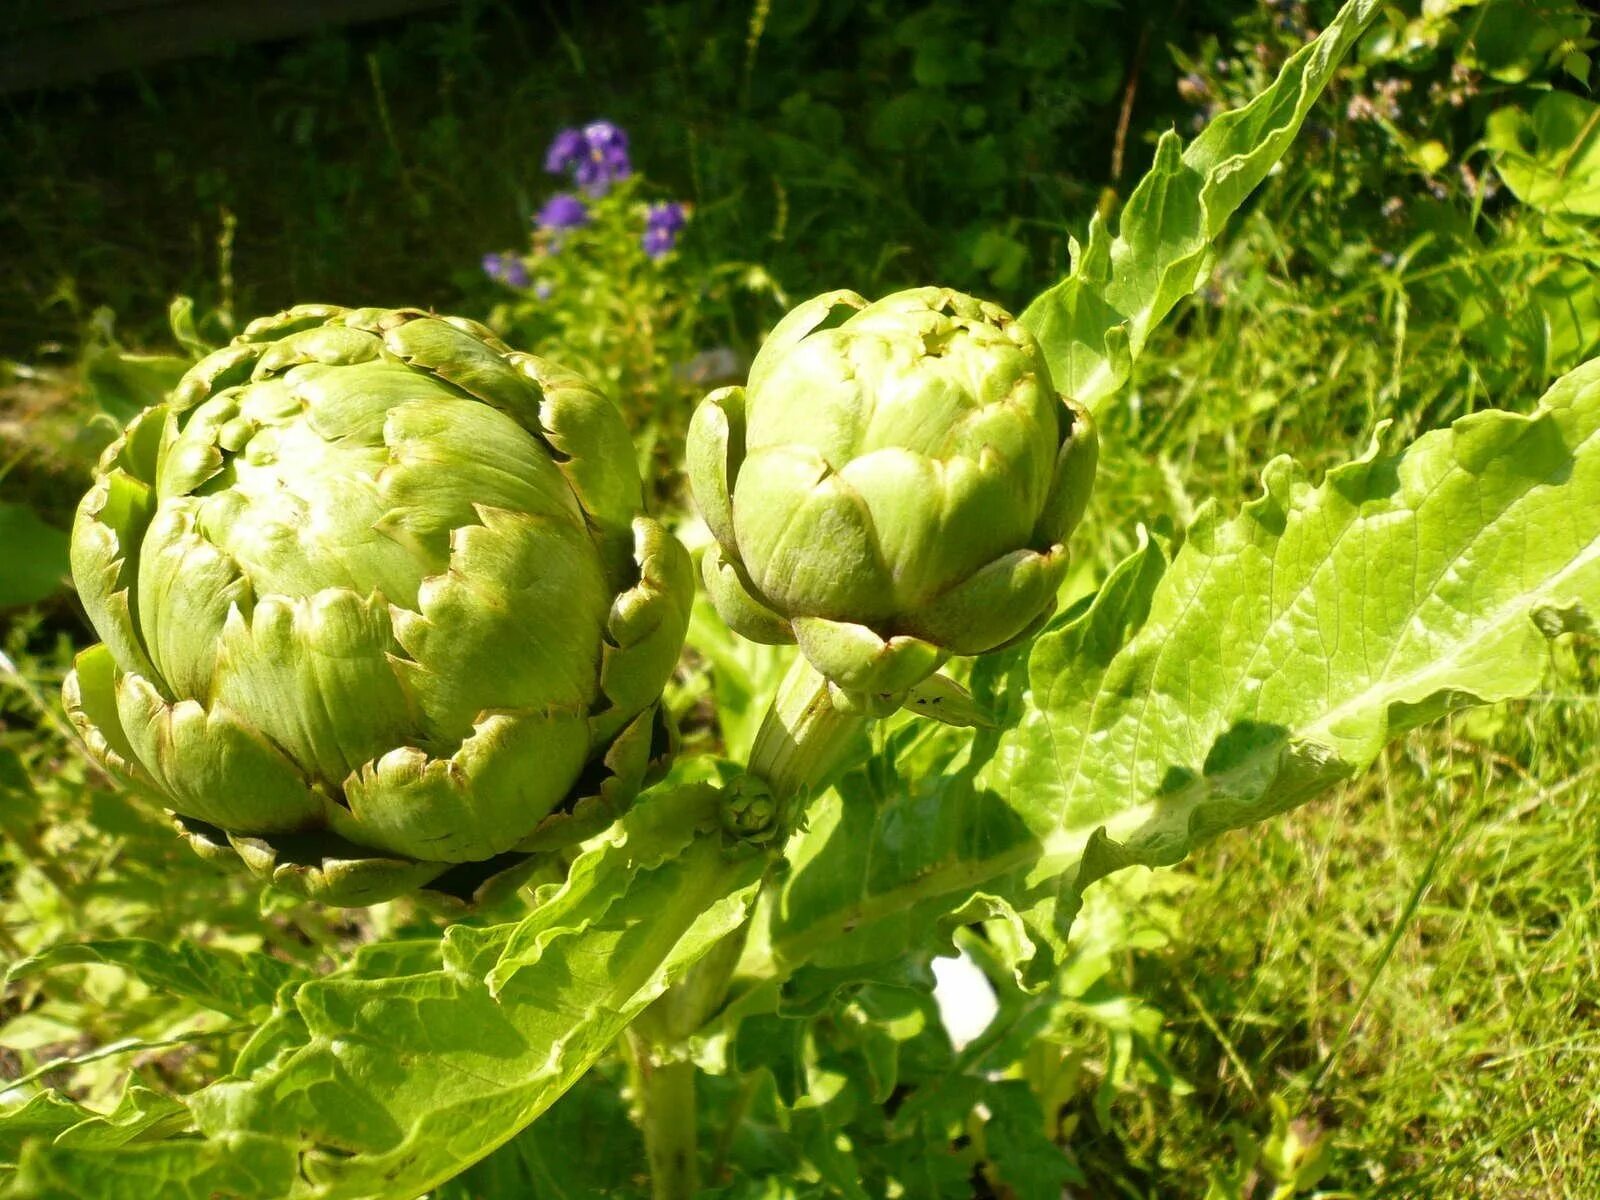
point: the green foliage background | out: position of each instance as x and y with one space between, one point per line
914 141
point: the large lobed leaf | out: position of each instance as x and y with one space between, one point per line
1095 322
1271 658
398 1071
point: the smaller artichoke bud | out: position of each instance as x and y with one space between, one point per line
894 485
750 810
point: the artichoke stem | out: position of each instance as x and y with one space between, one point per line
804 736
688 1004
664 1094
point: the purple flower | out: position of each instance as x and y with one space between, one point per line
507 269
562 211
669 215
597 156
566 149
662 224
605 159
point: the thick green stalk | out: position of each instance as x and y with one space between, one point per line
690 1003
801 743
664 1093
804 736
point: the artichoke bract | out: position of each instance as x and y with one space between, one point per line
894 485
379 606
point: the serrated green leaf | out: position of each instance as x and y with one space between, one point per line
139 1113
238 1165
831 1155
40 1116
1032 1166
1095 322
650 835
777 1045
928 1167
231 983
385 1086
1274 657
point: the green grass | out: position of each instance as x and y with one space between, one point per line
1410 965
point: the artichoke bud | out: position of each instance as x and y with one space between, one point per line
895 485
379 606
749 811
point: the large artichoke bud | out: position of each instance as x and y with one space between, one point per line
894 485
379 605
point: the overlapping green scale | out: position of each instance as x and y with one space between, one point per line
377 598
894 485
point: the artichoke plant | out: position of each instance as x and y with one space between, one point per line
379 606
894 485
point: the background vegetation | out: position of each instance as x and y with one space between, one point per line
1390 993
